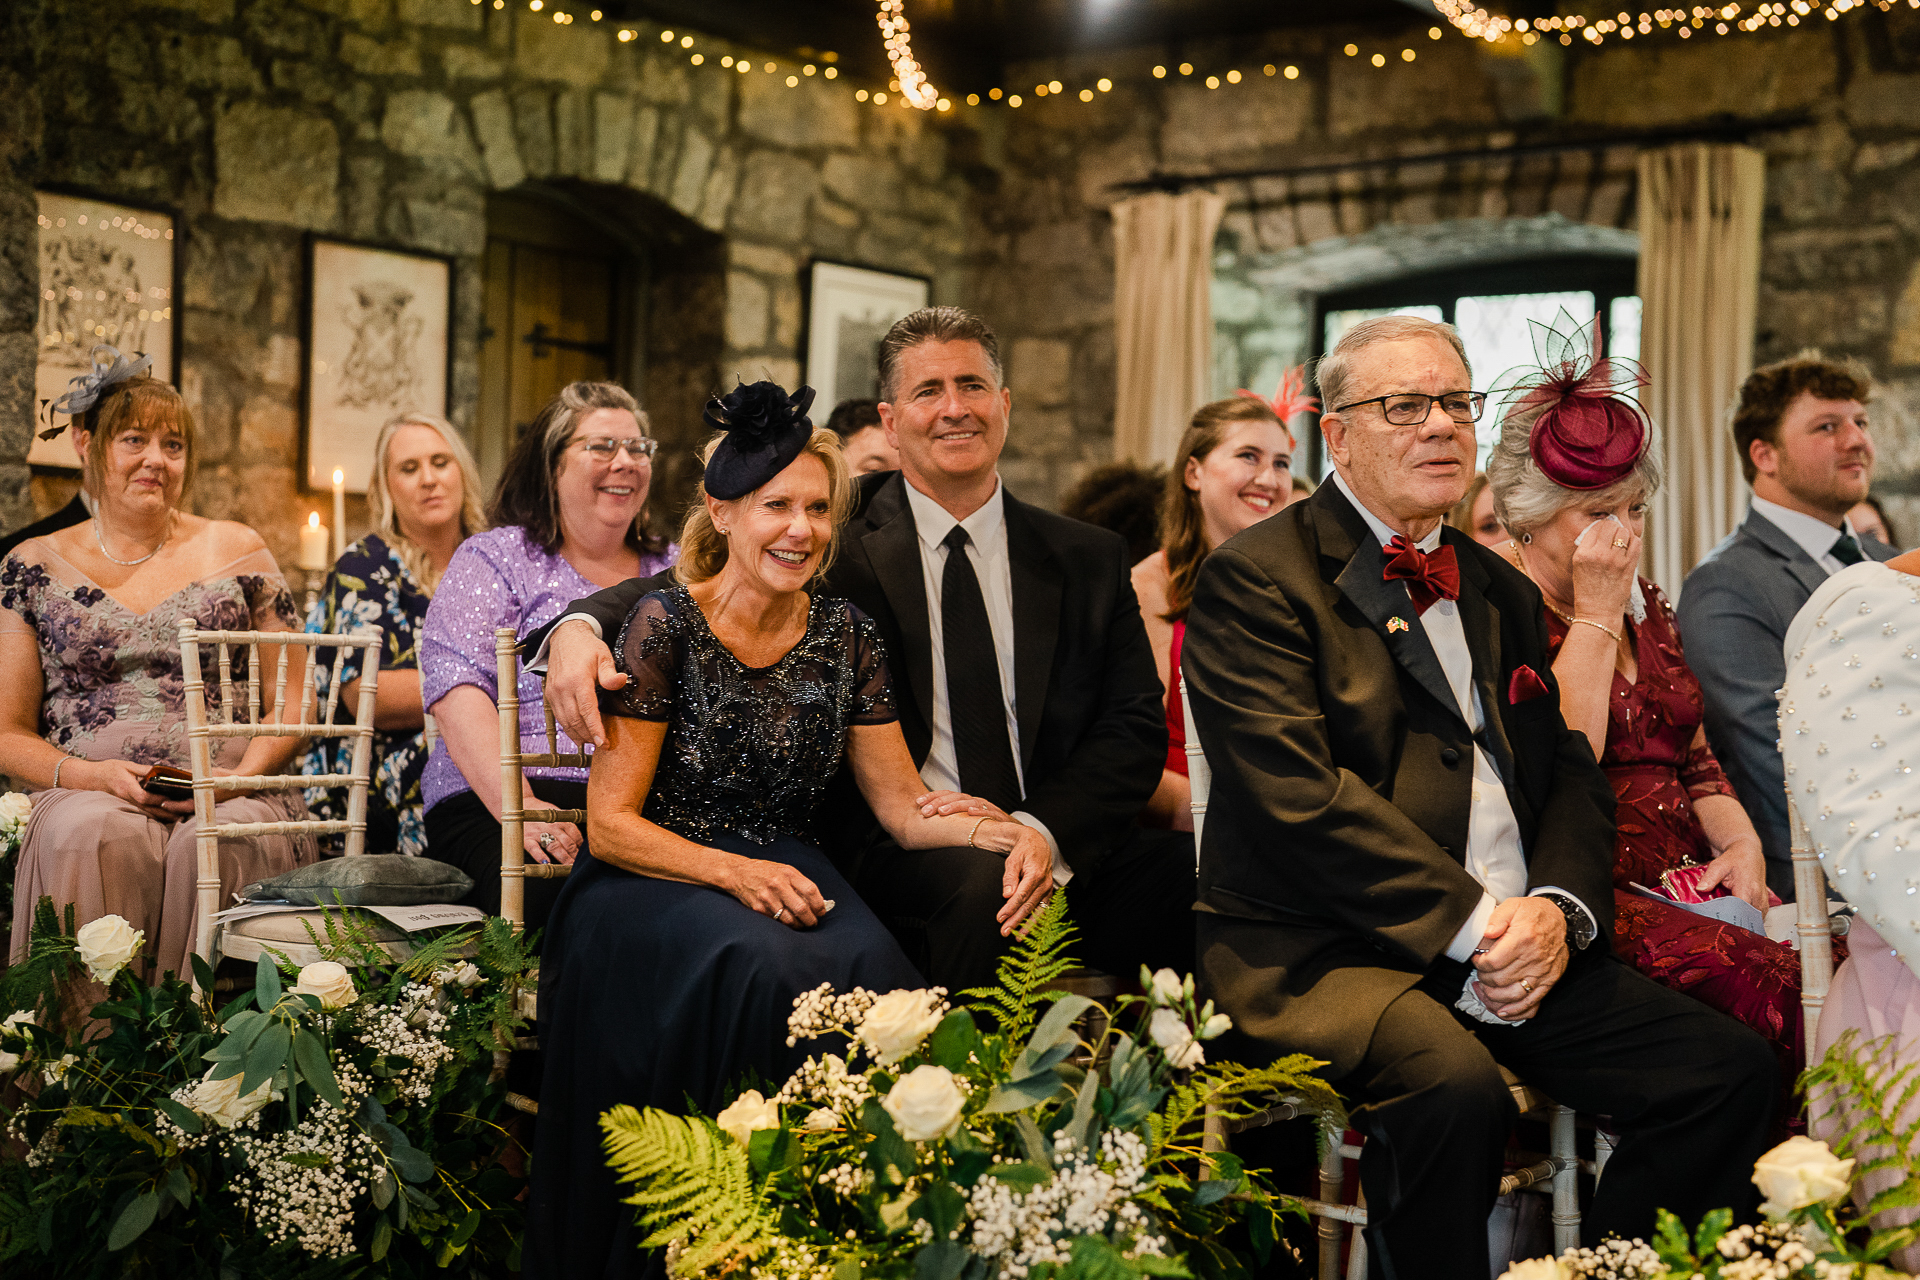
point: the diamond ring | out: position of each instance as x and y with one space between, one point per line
782 911
1526 985
546 841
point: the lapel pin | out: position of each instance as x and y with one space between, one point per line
1396 624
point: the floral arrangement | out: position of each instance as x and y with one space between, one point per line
1805 1235
15 808
337 1110
940 1148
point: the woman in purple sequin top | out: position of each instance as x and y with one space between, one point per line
569 518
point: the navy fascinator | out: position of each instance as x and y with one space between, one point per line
766 429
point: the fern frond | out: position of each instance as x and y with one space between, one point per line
1232 1091
1869 1093
695 1187
1035 960
502 949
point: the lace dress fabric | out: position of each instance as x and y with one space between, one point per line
369 586
115 690
1657 773
751 748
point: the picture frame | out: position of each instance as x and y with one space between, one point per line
378 342
109 273
849 310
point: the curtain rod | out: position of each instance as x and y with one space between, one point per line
1724 131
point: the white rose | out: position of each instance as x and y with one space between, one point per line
898 1022
1536 1269
1165 988
925 1104
466 975
108 945
822 1120
220 1100
14 809
57 1071
1798 1173
749 1111
330 982
1169 1031
1218 1025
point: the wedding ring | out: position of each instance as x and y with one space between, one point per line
776 915
1620 543
1526 985
546 841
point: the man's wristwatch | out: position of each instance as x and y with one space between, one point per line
1579 923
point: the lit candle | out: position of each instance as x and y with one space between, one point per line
313 545
339 513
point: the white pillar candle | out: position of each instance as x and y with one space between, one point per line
339 513
313 545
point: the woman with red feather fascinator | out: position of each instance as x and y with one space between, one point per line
1572 472
1233 469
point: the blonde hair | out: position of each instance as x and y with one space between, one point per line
141 401
703 548
386 520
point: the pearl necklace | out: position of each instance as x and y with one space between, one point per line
101 543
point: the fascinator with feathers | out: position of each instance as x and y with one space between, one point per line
85 391
1591 431
1290 398
766 429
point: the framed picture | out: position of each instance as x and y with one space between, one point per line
849 310
107 274
377 345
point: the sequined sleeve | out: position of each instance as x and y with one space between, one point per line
873 685
652 654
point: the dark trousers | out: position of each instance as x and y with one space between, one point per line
1135 907
461 833
1690 1090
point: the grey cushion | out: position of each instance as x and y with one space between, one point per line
374 880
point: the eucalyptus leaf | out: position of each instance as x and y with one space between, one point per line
1021 1094
954 1041
940 1260
133 1220
266 982
1033 1142
179 1187
468 1225
1080 1128
382 1237
311 1057
1022 1177
266 1057
1211 1192
202 972
384 1188
1054 1029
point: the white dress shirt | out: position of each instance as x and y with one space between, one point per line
1814 535
1493 856
987 549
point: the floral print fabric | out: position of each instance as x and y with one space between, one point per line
370 587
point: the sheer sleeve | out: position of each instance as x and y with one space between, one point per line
872 684
269 603
651 651
1701 774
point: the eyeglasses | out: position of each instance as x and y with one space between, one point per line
1410 408
639 448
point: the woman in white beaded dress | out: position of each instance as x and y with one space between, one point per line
1850 732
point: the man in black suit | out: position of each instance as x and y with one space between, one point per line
1022 673
75 512
1407 854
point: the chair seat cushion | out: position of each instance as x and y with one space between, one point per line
284 927
372 880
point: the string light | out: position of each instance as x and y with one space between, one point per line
1725 19
894 34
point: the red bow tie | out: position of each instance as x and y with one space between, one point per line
1429 576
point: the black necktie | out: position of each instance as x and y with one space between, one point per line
1846 550
982 747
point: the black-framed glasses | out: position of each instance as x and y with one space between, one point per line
604 447
1410 408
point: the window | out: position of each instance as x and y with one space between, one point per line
1491 307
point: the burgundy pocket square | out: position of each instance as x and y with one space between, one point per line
1525 686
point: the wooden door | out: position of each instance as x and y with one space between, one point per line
554 287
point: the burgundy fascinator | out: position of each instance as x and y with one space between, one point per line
1290 398
1592 432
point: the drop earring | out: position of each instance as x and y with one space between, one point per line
1526 539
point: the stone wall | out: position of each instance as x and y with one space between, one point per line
389 121
1841 250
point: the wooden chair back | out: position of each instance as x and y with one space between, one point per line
514 867
1813 926
201 732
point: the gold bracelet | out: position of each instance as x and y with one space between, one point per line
1597 627
971 834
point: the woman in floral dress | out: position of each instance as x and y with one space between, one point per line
94 693
425 495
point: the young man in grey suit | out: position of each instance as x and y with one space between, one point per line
1407 866
1800 428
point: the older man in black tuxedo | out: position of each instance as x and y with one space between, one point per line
1406 868
1021 670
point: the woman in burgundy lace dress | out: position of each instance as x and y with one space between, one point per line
1571 476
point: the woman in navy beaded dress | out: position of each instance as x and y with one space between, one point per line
701 908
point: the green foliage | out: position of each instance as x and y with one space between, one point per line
1231 1091
1867 1091
696 1187
1037 958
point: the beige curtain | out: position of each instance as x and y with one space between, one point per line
1699 283
1163 318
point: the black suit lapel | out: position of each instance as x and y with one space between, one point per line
1480 619
1037 585
1385 604
892 547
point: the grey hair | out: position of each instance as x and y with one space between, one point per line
1334 371
1524 499
935 324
